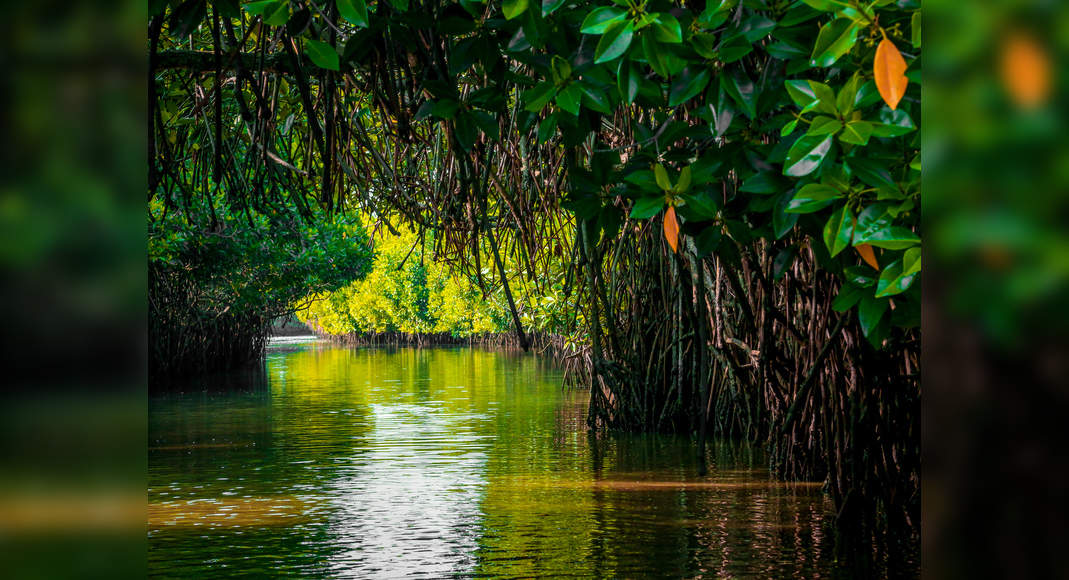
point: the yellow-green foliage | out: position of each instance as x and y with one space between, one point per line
417 295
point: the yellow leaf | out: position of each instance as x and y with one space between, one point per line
890 69
671 228
868 255
1025 70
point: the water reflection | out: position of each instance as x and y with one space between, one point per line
450 463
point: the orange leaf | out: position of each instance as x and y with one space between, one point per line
890 69
868 255
1025 70
671 228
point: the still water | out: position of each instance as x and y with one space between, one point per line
339 462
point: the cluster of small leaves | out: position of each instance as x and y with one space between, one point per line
255 263
407 291
781 120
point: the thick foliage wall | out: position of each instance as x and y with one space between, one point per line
215 288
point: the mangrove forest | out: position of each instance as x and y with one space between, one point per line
603 289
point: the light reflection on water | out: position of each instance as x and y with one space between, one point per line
437 463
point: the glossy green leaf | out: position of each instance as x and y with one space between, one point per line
869 313
599 19
741 90
647 207
856 133
848 296
539 96
734 49
322 54
891 238
627 81
686 86
666 28
836 38
813 197
838 230
547 128
569 98
806 155
513 8
763 183
614 42
893 123
783 221
915 28
683 185
661 175
354 11
824 126
898 276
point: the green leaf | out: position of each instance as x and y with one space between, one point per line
596 99
838 230
824 126
647 207
687 86
836 38
513 8
547 128
707 241
741 90
844 101
614 42
788 128
684 180
806 155
600 19
400 5
813 197
355 11
872 172
654 55
856 132
279 15
782 220
733 49
893 123
783 260
661 175
863 276
870 312
915 27
896 278
569 98
703 44
322 54
627 80
825 5
466 130
487 124
539 96
551 6
891 238
666 28
763 183
699 206
849 295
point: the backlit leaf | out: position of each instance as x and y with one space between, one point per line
671 229
889 69
868 255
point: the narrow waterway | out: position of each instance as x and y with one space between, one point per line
450 462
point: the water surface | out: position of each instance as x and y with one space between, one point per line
338 462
